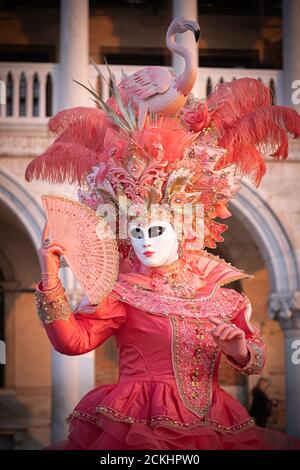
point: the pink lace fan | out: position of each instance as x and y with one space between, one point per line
91 249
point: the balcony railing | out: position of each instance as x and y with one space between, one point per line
31 88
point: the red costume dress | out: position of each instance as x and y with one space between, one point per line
167 395
151 145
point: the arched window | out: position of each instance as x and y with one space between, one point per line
36 96
9 94
49 94
23 95
273 90
208 86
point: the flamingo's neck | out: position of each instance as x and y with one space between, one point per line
185 81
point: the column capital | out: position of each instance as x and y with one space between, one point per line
285 307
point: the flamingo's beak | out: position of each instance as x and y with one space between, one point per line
194 27
197 34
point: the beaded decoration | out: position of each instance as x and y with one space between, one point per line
156 421
53 305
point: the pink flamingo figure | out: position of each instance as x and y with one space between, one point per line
158 90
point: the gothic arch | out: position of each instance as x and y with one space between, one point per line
23 205
274 244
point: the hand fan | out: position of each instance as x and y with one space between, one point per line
91 249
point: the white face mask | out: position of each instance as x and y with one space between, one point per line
154 244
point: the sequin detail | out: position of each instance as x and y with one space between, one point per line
221 302
53 305
194 354
255 346
258 353
158 420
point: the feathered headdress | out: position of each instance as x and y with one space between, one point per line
196 156
147 144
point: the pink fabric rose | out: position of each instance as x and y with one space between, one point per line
198 118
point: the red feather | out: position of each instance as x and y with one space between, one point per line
77 148
232 100
264 131
62 163
85 126
83 115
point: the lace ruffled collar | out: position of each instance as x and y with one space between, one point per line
189 277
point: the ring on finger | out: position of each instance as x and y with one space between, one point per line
46 242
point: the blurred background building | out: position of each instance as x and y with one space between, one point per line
43 46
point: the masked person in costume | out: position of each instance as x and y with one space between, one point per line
152 145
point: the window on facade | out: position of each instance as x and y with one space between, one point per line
137 56
236 7
229 58
49 95
9 94
23 95
27 53
36 96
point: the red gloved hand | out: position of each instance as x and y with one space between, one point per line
49 257
230 339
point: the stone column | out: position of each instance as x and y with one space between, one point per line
73 53
285 307
72 377
188 9
291 53
65 392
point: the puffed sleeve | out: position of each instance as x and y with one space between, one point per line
255 345
81 330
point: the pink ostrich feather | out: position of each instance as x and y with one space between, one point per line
263 131
81 133
62 162
84 116
231 100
